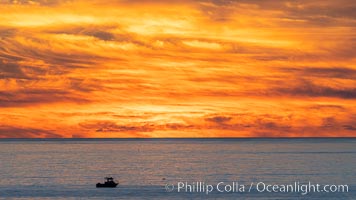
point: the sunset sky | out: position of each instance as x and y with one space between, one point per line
203 68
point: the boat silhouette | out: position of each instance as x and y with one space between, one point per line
109 182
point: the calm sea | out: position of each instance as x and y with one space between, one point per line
157 168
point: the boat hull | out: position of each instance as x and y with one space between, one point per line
101 185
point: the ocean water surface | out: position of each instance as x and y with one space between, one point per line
156 168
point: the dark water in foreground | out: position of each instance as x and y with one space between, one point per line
69 169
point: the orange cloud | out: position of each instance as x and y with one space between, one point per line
177 69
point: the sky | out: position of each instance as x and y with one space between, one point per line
202 68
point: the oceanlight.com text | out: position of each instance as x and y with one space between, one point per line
261 187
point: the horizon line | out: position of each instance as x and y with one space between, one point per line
175 138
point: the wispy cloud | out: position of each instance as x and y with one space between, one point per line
188 68
24 132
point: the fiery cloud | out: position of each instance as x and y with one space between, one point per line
207 68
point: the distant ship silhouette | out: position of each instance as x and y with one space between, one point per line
108 183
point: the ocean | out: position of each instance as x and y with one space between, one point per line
178 168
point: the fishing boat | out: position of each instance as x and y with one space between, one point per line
109 182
